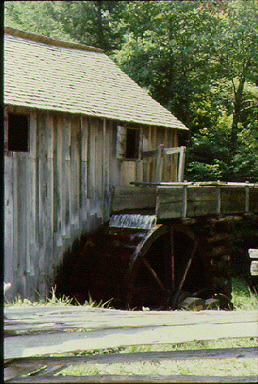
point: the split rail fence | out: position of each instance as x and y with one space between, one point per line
35 334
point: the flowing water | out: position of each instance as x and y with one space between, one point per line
137 221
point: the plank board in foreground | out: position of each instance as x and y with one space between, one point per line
136 379
97 328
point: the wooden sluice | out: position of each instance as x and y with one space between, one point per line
166 246
171 200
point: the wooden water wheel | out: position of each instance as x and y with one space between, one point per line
159 270
155 268
176 261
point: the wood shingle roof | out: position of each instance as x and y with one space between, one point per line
48 74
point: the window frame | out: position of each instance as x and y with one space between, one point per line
123 148
9 143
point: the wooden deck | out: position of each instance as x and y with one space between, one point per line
173 200
32 333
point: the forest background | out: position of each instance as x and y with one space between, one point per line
196 58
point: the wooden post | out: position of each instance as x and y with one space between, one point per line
181 165
184 201
159 163
247 198
218 199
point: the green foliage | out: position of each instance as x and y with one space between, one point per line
242 297
197 58
34 16
88 22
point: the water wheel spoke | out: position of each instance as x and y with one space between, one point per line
153 273
188 265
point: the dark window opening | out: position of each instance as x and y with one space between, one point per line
18 132
132 144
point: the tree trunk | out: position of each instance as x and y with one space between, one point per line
237 107
100 32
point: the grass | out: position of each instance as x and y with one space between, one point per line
201 367
211 367
54 300
242 297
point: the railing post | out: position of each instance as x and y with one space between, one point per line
218 188
247 198
184 201
181 165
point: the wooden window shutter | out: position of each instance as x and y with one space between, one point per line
120 142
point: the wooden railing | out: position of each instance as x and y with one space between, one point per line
160 154
206 198
172 200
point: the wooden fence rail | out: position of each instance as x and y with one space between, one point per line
45 367
32 334
160 153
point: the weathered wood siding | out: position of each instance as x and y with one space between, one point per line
60 190
54 193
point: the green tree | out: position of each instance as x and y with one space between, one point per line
35 17
94 23
199 60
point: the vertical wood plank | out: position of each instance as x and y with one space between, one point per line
21 220
15 226
65 191
105 172
154 146
218 190
166 159
74 175
91 158
247 199
148 160
84 172
181 165
49 216
57 184
159 166
42 200
184 201
9 270
174 161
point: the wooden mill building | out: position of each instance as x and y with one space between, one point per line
75 126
